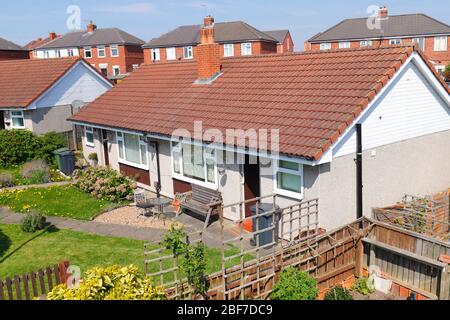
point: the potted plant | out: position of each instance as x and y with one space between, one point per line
93 158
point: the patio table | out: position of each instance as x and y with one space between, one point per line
159 204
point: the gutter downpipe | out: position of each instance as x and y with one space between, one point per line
359 178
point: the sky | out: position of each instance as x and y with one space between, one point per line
24 20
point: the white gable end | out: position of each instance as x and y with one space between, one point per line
79 83
410 108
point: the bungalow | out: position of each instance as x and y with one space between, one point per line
39 95
357 128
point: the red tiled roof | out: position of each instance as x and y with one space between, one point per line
38 42
310 97
23 81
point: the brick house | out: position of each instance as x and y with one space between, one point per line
432 36
112 51
34 44
235 39
11 51
166 125
42 104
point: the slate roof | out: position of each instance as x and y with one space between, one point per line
98 37
10 46
224 32
23 81
279 35
310 97
394 26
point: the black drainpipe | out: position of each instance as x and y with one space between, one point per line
359 180
158 168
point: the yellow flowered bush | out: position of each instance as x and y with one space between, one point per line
111 283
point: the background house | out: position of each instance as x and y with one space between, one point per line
11 51
112 51
395 120
235 39
42 104
432 36
34 44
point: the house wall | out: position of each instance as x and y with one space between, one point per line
44 120
13 55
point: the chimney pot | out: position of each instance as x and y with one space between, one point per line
383 13
91 27
52 35
208 21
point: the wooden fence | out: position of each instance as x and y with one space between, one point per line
33 284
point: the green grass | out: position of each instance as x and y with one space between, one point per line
60 201
21 252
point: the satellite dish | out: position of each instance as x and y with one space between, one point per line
78 104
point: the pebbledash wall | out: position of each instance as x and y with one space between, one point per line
406 143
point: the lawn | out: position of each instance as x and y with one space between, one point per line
22 252
60 201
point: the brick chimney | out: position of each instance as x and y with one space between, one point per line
91 27
52 35
383 13
208 52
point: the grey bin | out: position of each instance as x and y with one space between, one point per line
65 160
265 222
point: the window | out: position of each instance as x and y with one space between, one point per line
88 52
289 179
365 43
395 41
58 53
156 55
171 53
420 42
70 52
188 53
17 120
103 68
46 54
116 70
344 45
228 50
132 150
246 49
89 133
325 46
101 51
114 50
194 163
440 44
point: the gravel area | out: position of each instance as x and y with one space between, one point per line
129 216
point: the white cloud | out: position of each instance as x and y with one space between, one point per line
143 7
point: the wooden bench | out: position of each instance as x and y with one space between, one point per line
201 201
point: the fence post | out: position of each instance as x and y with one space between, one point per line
444 286
63 274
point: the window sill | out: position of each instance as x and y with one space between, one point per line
193 181
90 145
289 194
134 165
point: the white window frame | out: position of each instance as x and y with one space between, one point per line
365 43
190 51
395 41
114 68
89 130
171 50
70 53
440 43
228 50
325 46
20 115
101 49
114 47
417 40
288 193
86 50
135 66
246 49
206 156
46 54
345 45
142 144
156 54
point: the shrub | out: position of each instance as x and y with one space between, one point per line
174 239
93 156
48 143
362 286
295 285
36 172
112 283
16 147
447 73
6 180
32 222
338 293
105 183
